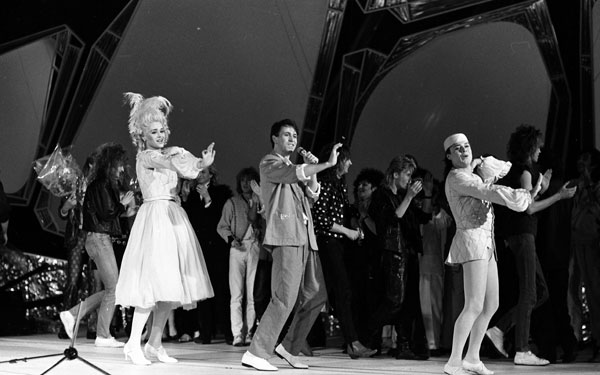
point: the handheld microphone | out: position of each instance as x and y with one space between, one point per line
303 153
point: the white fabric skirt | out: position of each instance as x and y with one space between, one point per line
163 261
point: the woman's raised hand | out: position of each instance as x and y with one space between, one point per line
208 156
334 154
546 179
428 183
538 187
255 187
70 203
127 198
257 196
566 191
414 189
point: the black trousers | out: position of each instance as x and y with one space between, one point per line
400 304
551 326
213 313
339 287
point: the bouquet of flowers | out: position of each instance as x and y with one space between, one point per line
58 172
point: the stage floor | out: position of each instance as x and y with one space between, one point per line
219 358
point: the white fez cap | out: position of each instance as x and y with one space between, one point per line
454 138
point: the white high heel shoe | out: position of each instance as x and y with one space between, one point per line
135 355
160 354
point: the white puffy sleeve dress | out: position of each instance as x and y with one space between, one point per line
163 261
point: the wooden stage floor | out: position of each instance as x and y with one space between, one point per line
219 358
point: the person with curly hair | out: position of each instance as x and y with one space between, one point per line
519 230
71 209
102 207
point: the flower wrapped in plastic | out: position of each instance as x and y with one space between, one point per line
58 172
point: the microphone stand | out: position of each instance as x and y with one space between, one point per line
69 353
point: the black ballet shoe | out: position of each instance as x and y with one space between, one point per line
357 350
595 348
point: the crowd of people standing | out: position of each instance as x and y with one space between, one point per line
257 266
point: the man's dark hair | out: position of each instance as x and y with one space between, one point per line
276 128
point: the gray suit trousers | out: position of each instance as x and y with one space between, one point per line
296 280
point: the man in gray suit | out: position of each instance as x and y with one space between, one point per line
297 278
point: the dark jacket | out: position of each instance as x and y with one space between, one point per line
102 208
401 235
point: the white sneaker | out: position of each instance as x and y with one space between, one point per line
496 336
68 322
261 364
529 359
108 342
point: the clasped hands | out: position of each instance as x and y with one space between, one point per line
425 184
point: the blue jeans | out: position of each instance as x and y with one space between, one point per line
533 291
99 248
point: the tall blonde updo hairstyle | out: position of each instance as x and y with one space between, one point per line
144 112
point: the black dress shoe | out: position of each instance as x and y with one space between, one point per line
62 334
439 352
204 341
569 357
404 352
421 354
595 348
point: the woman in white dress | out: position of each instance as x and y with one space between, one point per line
163 266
